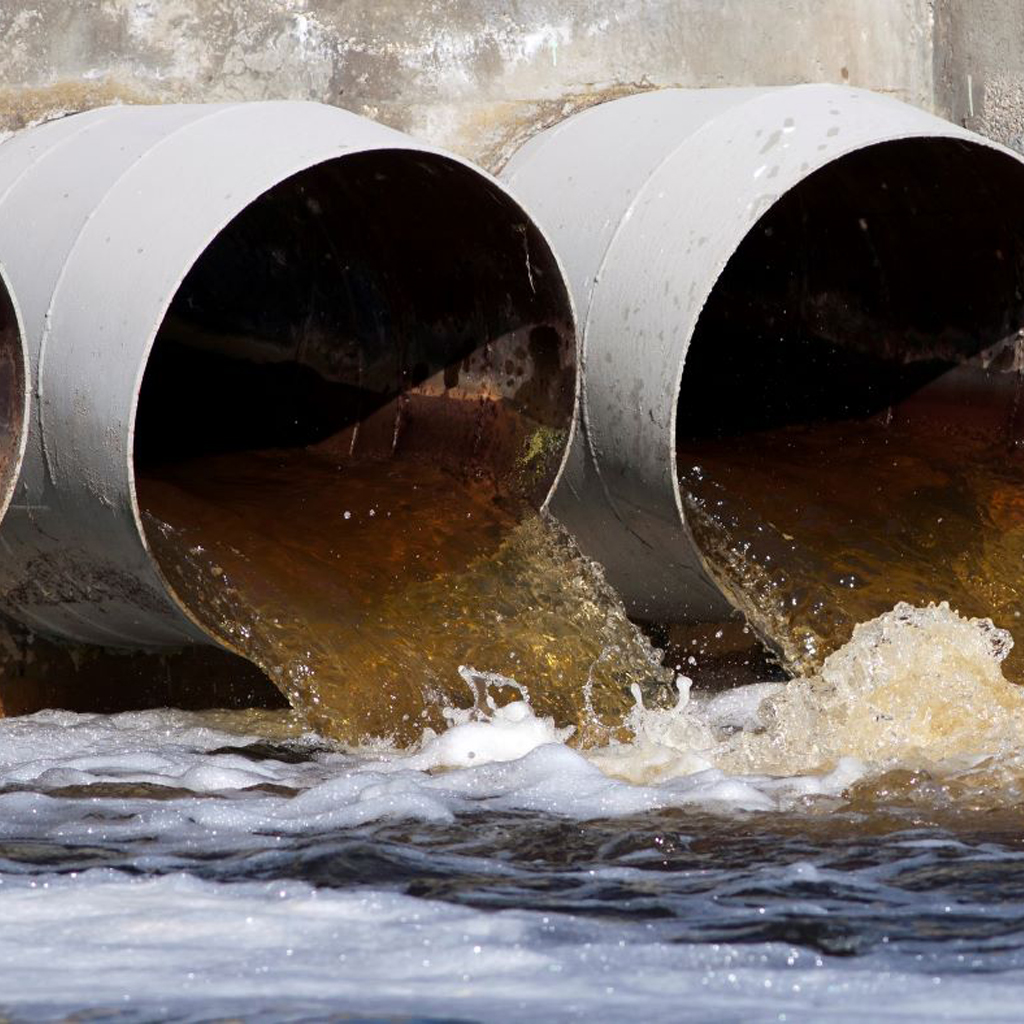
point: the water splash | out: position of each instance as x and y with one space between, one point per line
361 590
916 689
813 529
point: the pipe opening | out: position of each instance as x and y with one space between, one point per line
849 429
356 403
876 276
382 304
12 396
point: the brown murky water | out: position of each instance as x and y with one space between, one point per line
361 588
812 529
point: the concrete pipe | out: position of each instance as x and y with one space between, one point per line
695 225
209 278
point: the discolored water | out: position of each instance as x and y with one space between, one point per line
534 832
812 529
188 866
361 588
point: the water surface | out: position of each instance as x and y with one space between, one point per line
196 866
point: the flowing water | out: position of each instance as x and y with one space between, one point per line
846 850
361 588
553 839
812 529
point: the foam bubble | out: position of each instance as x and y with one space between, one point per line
177 947
916 686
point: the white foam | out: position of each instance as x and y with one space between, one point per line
174 942
502 757
718 751
172 945
505 734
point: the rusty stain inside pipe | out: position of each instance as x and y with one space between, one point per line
862 442
379 363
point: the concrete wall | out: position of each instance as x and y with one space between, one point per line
477 76
979 66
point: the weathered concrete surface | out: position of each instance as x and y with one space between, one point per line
477 76
979 66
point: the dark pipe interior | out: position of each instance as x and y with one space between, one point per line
12 392
850 402
387 301
888 282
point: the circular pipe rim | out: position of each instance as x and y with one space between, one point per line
161 314
626 504
325 133
9 486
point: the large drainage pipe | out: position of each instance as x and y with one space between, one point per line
703 231
197 279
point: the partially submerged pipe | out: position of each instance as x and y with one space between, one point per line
196 279
703 230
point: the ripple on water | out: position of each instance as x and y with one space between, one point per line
172 864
